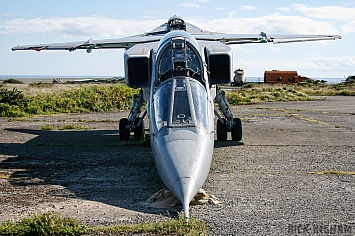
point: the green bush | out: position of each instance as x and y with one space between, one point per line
12 81
11 97
84 99
41 85
46 224
11 102
255 94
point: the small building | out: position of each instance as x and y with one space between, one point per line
284 77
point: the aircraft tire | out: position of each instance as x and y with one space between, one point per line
237 130
221 131
139 131
124 132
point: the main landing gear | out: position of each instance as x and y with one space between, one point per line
134 123
226 123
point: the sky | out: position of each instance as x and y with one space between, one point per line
25 22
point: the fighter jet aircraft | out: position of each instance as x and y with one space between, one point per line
177 66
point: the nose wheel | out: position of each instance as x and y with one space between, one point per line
222 130
237 130
125 134
126 128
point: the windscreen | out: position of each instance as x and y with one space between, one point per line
180 102
179 58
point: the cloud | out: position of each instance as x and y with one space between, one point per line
336 13
326 63
194 4
191 5
221 8
316 66
247 8
105 27
274 23
284 9
348 27
78 26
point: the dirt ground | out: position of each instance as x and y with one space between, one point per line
276 181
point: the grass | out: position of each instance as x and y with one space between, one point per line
46 224
66 127
253 93
48 127
54 224
74 127
94 98
12 81
256 93
143 141
332 172
23 100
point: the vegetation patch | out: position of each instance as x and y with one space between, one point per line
143 141
46 224
48 127
171 226
315 88
41 85
13 103
55 224
289 113
110 97
74 127
255 93
331 172
12 81
297 116
66 127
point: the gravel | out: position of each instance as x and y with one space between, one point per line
267 182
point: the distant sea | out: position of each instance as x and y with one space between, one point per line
249 79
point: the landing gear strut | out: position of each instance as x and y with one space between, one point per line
226 123
134 123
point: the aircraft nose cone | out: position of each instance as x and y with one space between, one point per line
185 189
180 162
183 159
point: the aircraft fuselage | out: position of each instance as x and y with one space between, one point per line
181 116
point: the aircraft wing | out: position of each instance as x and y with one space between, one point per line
157 34
92 44
263 38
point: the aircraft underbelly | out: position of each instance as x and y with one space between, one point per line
183 158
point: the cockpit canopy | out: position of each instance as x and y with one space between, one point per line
180 102
179 58
176 23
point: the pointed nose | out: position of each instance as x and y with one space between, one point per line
180 163
181 166
183 159
185 189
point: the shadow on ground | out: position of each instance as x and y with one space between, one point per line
92 165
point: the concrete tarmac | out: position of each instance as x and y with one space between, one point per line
292 174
